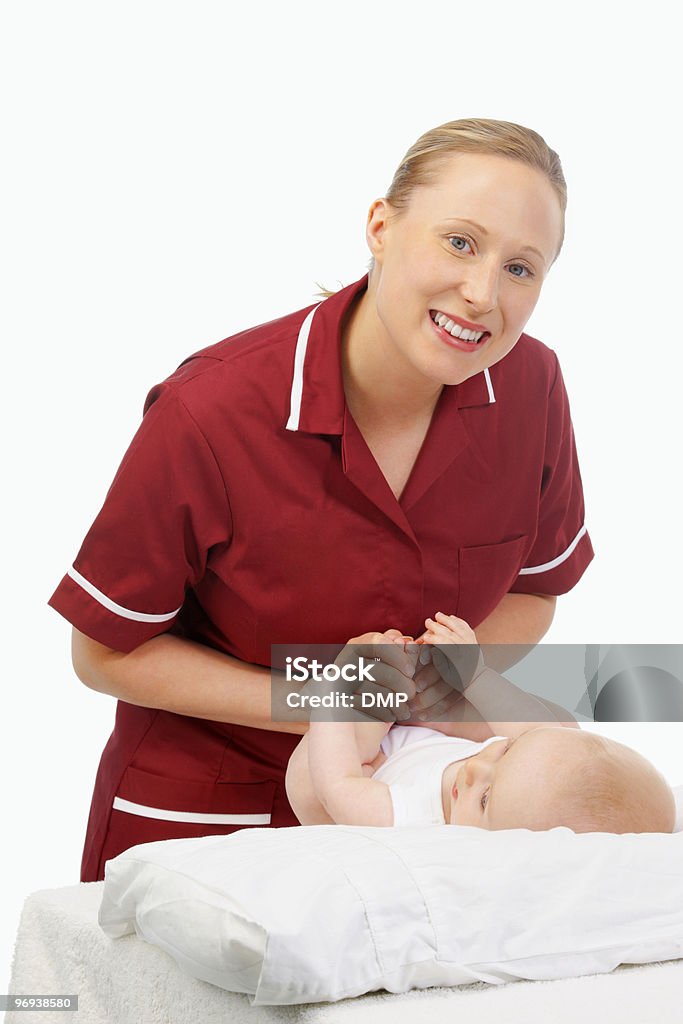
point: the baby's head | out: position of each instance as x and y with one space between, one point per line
557 776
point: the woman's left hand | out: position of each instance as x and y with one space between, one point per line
435 698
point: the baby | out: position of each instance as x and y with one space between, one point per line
529 775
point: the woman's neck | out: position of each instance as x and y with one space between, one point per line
380 385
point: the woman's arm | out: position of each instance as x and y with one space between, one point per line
182 676
494 697
513 629
517 623
188 678
477 716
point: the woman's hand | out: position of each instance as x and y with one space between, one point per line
386 696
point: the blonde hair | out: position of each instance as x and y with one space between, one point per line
423 160
612 788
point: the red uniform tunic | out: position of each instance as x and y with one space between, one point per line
249 511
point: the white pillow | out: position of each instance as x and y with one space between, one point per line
318 913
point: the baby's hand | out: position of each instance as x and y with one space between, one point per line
454 650
448 629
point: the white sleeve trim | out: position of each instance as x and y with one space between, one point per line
298 378
556 561
117 609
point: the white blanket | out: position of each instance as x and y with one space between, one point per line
61 949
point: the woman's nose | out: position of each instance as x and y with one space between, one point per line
480 286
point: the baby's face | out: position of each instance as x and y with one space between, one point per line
512 783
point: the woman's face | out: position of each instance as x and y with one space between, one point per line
475 245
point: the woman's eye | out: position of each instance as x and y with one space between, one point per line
460 244
520 266
459 238
484 800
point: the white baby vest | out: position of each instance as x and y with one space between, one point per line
416 759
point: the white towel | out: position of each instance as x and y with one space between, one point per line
61 949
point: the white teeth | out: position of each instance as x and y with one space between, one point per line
458 332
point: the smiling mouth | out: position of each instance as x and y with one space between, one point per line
473 338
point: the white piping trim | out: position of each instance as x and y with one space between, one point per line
298 378
489 385
189 816
111 606
556 561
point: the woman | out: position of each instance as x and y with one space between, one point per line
398 449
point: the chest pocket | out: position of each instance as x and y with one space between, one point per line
486 573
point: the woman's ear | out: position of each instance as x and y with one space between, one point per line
378 219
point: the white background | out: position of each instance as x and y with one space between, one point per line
176 172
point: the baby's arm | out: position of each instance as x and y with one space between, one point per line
326 781
299 787
336 766
490 693
301 791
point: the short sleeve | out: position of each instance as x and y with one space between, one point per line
166 508
398 805
562 548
